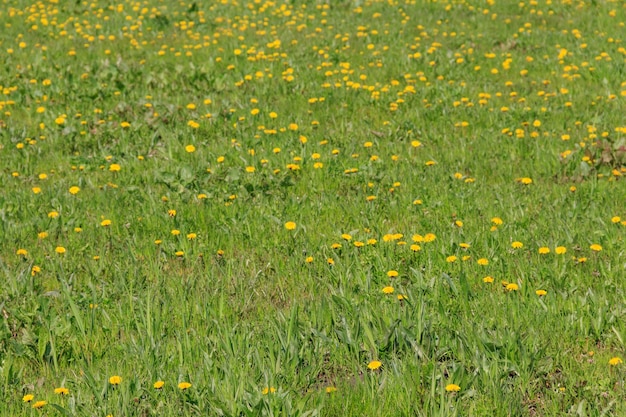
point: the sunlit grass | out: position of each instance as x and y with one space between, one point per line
312 208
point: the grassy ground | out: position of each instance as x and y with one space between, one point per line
359 208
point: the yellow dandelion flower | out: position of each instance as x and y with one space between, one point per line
158 384
74 190
392 274
488 280
560 250
615 361
330 390
453 388
483 261
374 365
388 290
184 385
115 380
451 259
544 250
28 398
115 168
290 225
512 287
61 391
190 149
517 245
429 237
60 250
595 247
40 404
541 293
417 238
105 223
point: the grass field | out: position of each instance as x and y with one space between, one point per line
313 208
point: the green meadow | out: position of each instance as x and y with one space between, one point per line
312 208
